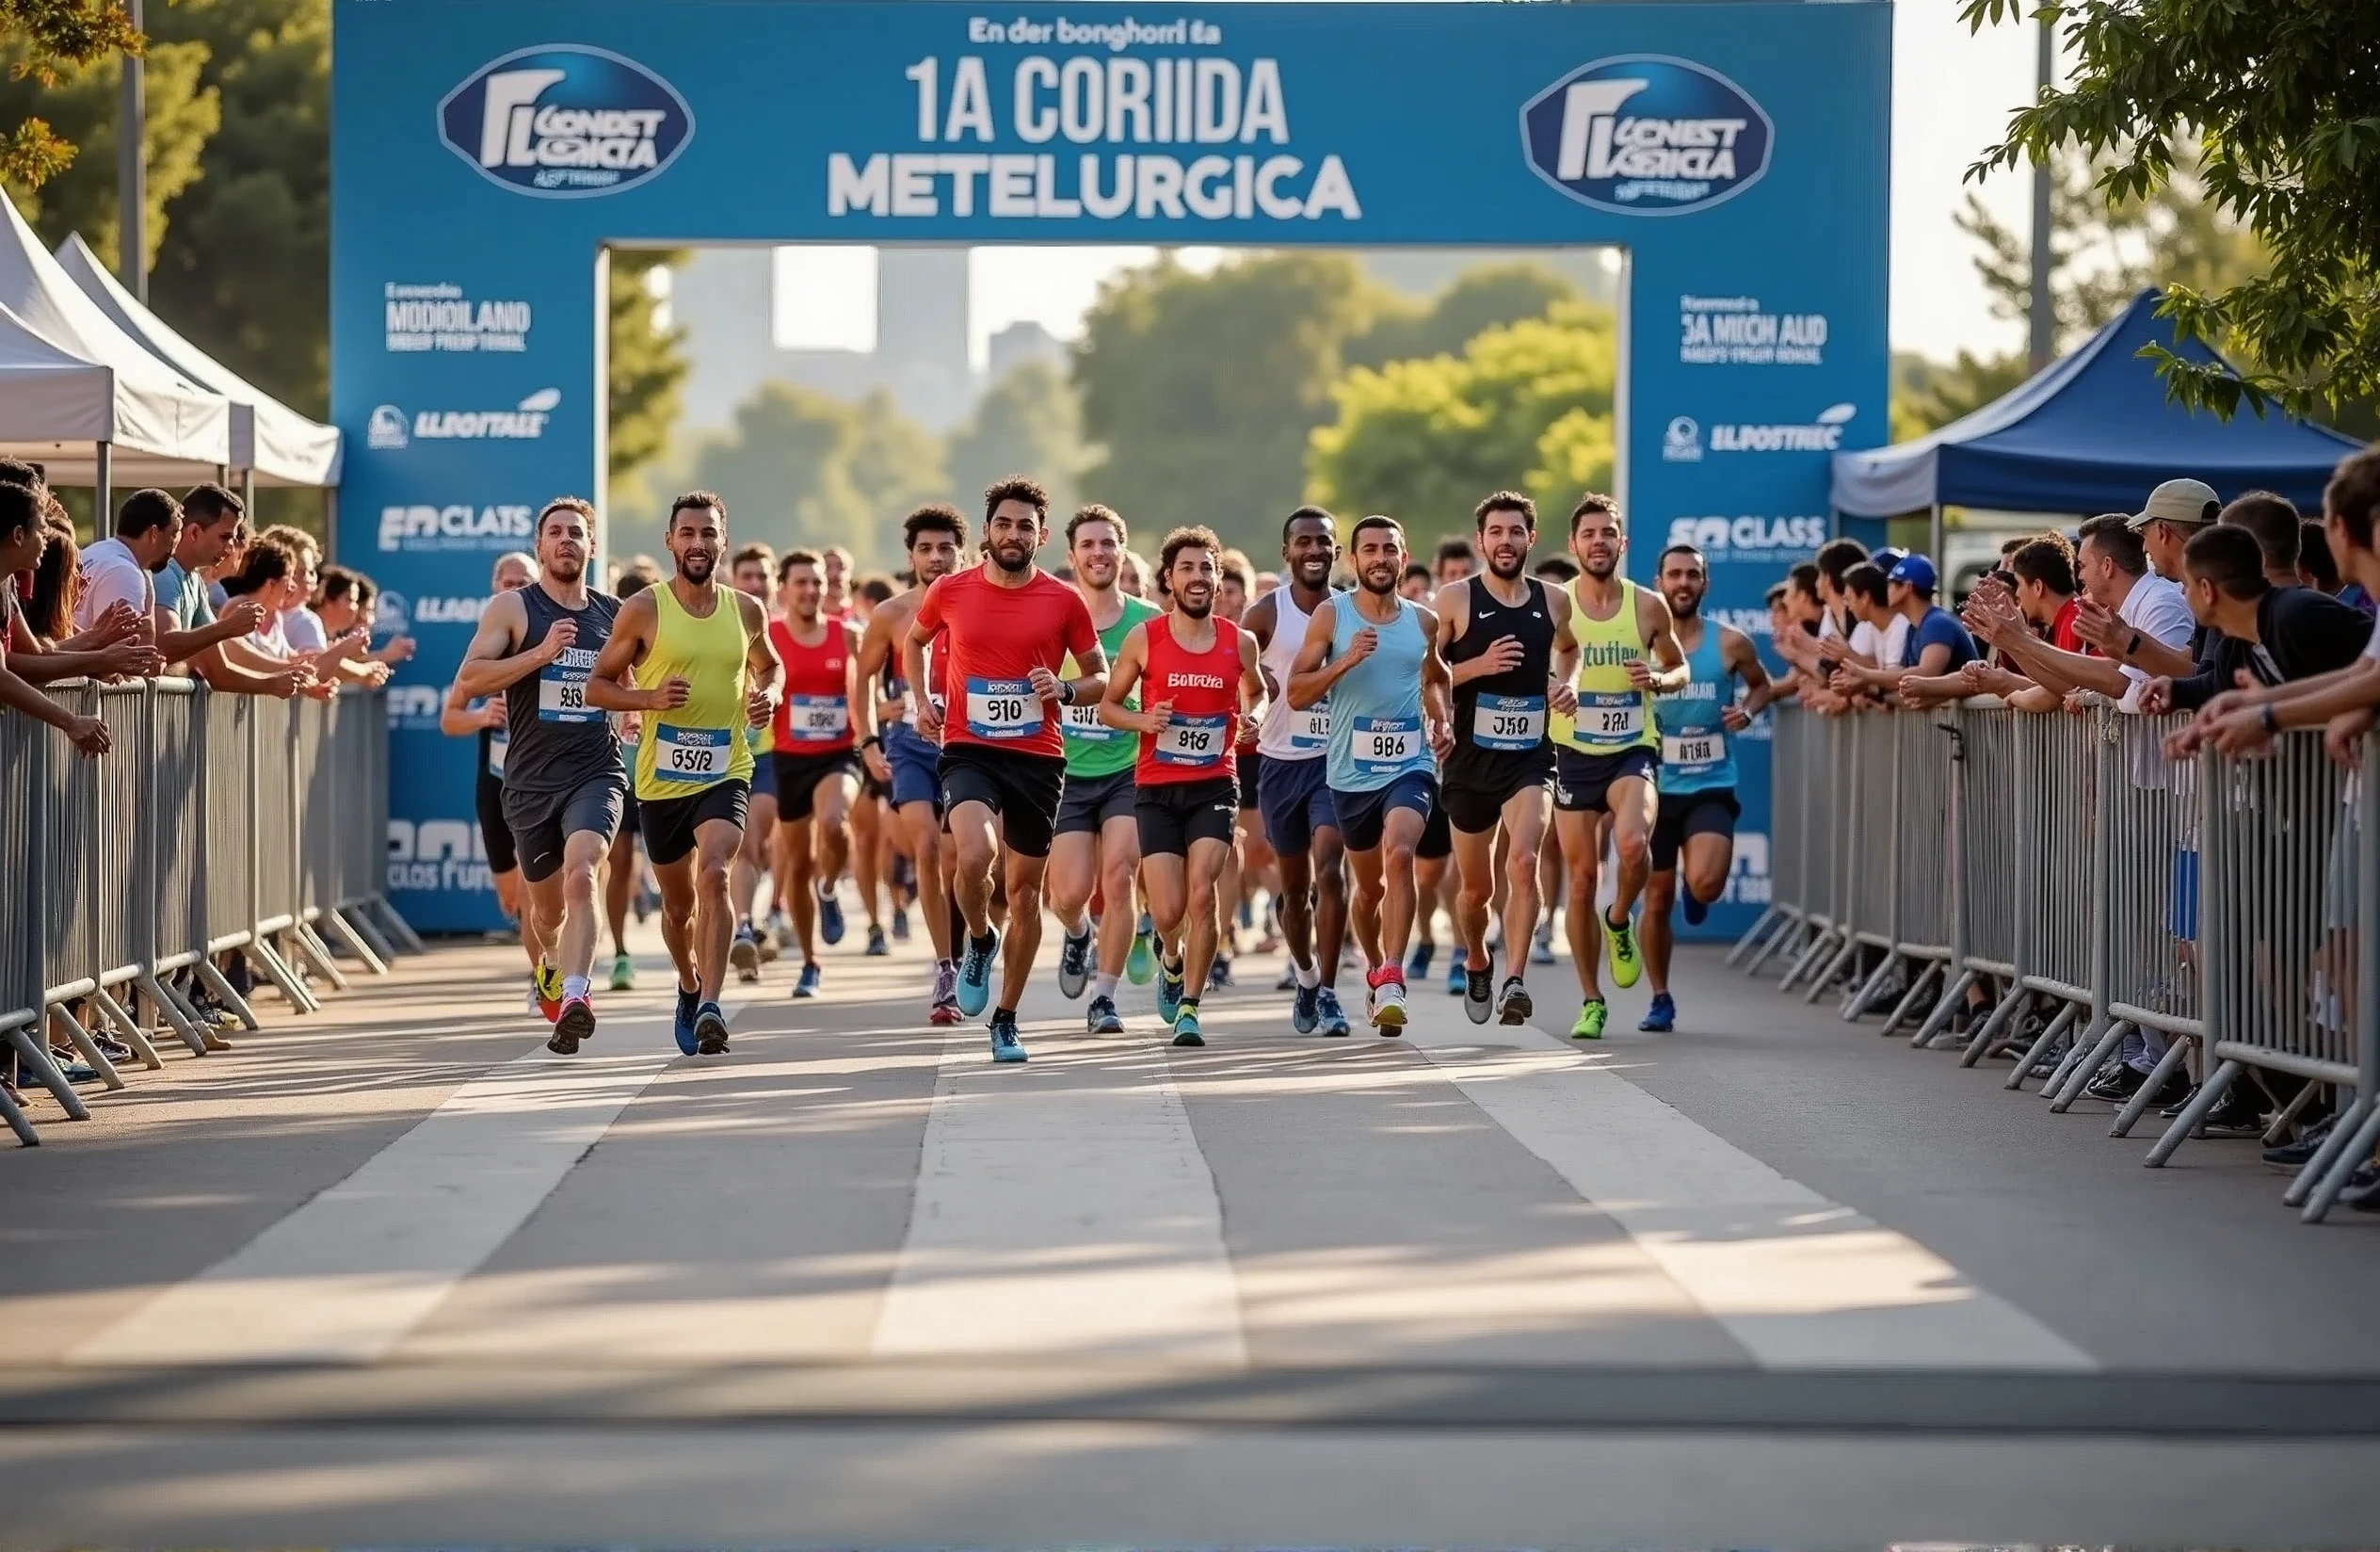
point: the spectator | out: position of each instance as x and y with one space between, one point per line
2279 534
24 532
2174 510
299 624
1835 557
2317 568
117 569
190 631
114 648
234 553
349 601
1936 645
2047 600
2271 635
2133 623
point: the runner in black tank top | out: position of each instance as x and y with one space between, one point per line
1500 716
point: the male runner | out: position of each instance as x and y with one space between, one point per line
693 657
752 568
1376 655
1097 845
1006 626
1510 656
834 574
905 758
1433 875
820 723
1251 861
1558 571
1604 760
1696 782
624 870
1201 674
459 718
1299 822
563 786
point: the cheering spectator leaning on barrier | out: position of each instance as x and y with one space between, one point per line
2124 615
349 601
117 569
192 633
2267 635
22 535
116 648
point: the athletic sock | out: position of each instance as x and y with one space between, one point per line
984 943
1083 931
1308 976
1104 985
958 921
1189 1005
574 986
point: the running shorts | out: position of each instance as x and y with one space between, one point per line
1683 815
630 814
1251 780
1295 801
914 762
1174 813
671 823
1582 782
1438 832
1089 802
541 823
1024 789
1363 816
763 775
1479 781
495 835
799 775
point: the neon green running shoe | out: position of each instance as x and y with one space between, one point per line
623 973
1619 943
1140 965
1591 1017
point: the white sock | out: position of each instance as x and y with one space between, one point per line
574 986
1081 928
1308 976
1104 985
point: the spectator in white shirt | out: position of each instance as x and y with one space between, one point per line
118 569
2139 623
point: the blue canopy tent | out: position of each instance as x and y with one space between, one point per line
2092 432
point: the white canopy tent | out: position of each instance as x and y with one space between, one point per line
270 442
152 424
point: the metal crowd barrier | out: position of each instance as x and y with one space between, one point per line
214 824
2162 909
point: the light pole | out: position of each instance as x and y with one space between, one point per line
2041 339
132 168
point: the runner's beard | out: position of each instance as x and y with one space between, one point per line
1685 605
695 568
1387 585
1503 570
1604 569
1092 579
1192 608
563 568
1000 554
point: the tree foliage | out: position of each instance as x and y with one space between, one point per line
802 467
2279 105
48 41
1029 420
645 368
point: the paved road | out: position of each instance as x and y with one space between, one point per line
395 1274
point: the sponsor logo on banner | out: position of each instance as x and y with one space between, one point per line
1822 435
1739 332
422 528
1748 877
1682 441
398 614
563 121
413 708
431 854
386 430
390 432
1750 539
1646 135
441 316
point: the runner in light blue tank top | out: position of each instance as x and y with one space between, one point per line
1697 752
1376 708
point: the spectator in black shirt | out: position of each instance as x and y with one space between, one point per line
2271 635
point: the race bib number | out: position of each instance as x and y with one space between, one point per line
1001 709
1310 729
562 696
1611 719
689 757
496 748
1383 746
817 718
1194 740
1510 722
1083 726
1694 749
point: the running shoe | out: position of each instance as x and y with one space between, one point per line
1185 1026
975 973
1513 1007
1455 986
1619 943
547 989
808 985
1074 964
710 1030
1385 1007
769 946
1305 1014
1661 1017
780 929
1169 990
745 954
1695 912
945 1005
1591 1019
1004 1045
1141 964
945 1012
1416 964
689 1004
623 973
1543 953
1478 995
900 924
577 1023
1219 973
877 947
829 917
1101 1017
1334 1018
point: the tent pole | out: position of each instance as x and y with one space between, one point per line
331 521
247 490
103 474
1934 537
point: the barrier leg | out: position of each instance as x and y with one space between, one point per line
1925 978
2044 1045
2086 1069
2367 1138
184 1025
1753 935
2288 1114
1790 932
220 988
2193 1113
19 1122
281 976
135 1036
2137 1106
1819 943
1869 988
399 933
2343 1132
1938 1018
33 1053
363 943
318 955
94 1058
2084 1044
1980 1042
1842 961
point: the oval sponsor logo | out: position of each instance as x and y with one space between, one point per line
1646 135
564 121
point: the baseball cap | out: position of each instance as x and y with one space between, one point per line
1885 558
1916 570
2188 502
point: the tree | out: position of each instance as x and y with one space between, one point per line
645 368
1027 422
2280 104
1927 394
895 463
1481 298
50 40
1527 405
802 467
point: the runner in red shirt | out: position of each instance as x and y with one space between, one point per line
1201 683
1006 625
820 725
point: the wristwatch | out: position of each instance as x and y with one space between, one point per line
2132 648
2264 713
1066 692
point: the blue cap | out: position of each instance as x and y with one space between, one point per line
1916 570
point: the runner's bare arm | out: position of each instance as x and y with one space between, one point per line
458 719
1436 683
1261 619
489 663
858 689
1562 670
1737 652
607 686
1315 671
1120 679
1090 681
876 644
913 643
1660 631
1252 687
763 673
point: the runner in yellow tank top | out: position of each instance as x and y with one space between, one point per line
1605 763
693 658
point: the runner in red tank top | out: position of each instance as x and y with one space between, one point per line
1201 678
820 725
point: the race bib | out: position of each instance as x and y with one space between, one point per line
1694 749
562 696
1083 726
1194 740
496 748
1611 719
1510 722
1310 729
1382 745
1002 709
689 757
817 718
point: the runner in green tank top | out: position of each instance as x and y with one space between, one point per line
1095 846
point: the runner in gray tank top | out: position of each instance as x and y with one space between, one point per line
563 783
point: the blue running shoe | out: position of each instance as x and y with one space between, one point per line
689 1004
709 1031
975 977
1417 963
1185 1026
1456 983
1103 1019
1305 1014
1169 990
1004 1045
829 917
808 985
1661 1017
1141 962
1695 912
1334 1019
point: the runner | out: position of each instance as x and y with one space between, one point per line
819 725
1510 656
693 658
835 600
1558 571
1202 678
1376 655
905 757
1300 824
1699 808
1096 847
1433 871
751 568
1005 624
563 786
459 718
1604 759
1251 857
624 871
